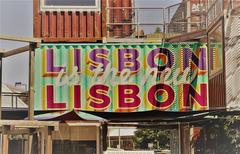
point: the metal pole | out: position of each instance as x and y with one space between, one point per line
164 31
108 19
137 24
12 101
0 86
16 101
169 14
188 17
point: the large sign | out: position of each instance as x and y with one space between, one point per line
121 78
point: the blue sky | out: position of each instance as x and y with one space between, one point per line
16 18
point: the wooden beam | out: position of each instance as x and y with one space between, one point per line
128 40
98 140
42 142
30 143
36 19
83 123
15 51
25 146
5 140
49 142
30 123
20 39
143 125
31 81
69 39
2 50
188 36
19 131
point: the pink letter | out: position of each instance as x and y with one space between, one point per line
99 99
127 97
77 96
157 96
50 99
191 96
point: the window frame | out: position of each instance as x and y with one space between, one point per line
44 7
218 24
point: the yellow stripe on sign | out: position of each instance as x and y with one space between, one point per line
115 97
44 102
71 97
44 62
71 61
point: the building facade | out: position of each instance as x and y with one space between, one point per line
96 65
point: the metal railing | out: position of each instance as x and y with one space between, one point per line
220 8
145 24
215 10
129 22
14 100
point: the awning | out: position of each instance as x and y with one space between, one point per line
68 116
147 116
155 115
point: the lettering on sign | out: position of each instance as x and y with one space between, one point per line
121 79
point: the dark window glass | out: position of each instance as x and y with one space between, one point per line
70 2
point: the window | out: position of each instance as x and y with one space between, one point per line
215 45
74 147
69 5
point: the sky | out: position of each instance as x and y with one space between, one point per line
16 18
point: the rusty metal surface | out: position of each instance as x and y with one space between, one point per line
217 96
74 26
70 25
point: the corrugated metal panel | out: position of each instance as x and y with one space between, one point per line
67 26
161 75
217 92
70 26
233 65
75 26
